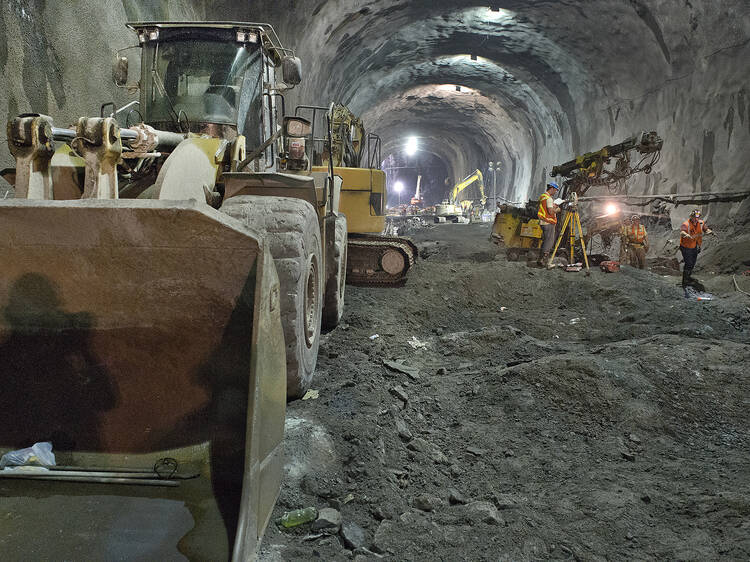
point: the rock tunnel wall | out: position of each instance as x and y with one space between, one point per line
526 83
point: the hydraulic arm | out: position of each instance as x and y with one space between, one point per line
594 168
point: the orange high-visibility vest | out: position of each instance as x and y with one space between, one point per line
637 236
544 213
696 231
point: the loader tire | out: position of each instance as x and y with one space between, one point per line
290 227
333 303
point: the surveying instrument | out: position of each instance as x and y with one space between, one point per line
572 222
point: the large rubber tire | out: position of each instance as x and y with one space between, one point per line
333 301
291 228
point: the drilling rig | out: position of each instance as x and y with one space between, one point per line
518 227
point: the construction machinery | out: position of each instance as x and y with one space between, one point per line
417 199
517 228
452 209
595 168
161 293
373 259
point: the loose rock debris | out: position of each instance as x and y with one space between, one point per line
597 439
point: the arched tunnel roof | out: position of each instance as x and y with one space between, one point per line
540 81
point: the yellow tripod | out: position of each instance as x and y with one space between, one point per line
572 220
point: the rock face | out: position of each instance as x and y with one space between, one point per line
527 84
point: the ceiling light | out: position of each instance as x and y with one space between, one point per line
411 146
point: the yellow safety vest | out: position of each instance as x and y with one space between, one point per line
543 213
637 236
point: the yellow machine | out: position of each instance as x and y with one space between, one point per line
373 258
516 230
161 290
452 209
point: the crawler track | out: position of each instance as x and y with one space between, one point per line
379 261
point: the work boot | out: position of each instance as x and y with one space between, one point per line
686 278
545 260
539 260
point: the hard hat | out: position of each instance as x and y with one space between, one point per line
635 218
696 213
553 185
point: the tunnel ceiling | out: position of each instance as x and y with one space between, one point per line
540 81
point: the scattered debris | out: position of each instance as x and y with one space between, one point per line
311 395
328 519
411 372
417 344
399 392
352 535
426 502
374 336
476 451
298 517
455 497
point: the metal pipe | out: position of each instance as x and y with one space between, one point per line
164 139
63 134
93 479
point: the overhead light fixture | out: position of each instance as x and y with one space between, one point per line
398 187
411 146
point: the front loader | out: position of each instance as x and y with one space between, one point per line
161 293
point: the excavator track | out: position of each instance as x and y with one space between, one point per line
379 261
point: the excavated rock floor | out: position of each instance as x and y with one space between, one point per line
510 413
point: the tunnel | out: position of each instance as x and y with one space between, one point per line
524 84
468 407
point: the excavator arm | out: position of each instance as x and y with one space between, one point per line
466 182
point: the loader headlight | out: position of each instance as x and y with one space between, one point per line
297 127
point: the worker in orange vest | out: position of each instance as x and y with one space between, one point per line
691 239
547 214
637 240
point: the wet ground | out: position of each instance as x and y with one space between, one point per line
505 412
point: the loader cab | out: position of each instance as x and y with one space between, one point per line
215 79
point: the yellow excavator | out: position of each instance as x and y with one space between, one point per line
373 259
161 293
453 210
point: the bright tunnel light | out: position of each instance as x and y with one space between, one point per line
411 146
611 209
398 186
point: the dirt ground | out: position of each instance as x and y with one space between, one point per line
535 415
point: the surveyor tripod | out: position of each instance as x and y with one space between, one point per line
571 223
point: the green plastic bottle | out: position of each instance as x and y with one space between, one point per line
298 517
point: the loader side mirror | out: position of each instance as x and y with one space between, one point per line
120 71
291 70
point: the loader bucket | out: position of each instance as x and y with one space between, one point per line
142 339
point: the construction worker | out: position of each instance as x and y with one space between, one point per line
691 239
547 214
624 240
637 240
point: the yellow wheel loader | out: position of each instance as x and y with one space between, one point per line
161 293
352 156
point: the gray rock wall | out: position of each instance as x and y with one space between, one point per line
56 56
